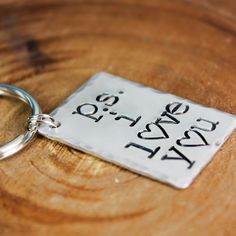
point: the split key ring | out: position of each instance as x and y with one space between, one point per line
34 120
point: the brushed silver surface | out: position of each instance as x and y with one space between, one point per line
152 133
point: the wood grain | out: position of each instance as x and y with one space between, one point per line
50 48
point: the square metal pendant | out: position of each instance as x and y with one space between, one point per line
152 133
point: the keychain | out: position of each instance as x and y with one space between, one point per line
158 135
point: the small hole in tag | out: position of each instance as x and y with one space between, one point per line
58 124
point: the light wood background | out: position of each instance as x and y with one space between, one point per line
50 48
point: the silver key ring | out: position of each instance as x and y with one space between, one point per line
34 120
22 140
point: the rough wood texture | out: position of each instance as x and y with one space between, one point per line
50 48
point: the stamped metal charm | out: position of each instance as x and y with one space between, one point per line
155 134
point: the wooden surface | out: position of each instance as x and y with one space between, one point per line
50 48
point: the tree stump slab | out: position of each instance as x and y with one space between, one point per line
50 48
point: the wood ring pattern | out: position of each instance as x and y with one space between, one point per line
50 48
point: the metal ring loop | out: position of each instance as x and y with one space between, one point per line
22 140
35 121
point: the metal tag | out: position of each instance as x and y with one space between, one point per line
155 134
